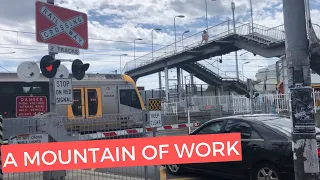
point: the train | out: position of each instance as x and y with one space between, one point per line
100 101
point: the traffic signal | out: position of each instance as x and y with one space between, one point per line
79 69
49 66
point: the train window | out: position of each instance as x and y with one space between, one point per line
32 90
77 103
130 98
7 90
10 90
26 89
92 102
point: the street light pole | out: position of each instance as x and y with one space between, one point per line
251 15
207 14
182 37
155 29
160 85
242 69
120 61
206 2
175 34
134 51
233 6
182 69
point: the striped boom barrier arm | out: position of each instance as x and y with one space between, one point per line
1 143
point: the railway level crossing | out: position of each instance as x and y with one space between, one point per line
56 26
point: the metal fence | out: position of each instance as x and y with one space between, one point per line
237 104
111 126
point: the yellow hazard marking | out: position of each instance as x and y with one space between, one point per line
163 173
154 104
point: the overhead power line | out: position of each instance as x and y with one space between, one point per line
97 39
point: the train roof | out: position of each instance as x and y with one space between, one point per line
13 77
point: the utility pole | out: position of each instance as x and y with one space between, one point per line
305 157
251 16
233 6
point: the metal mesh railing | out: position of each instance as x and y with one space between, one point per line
239 104
188 43
219 31
258 33
111 126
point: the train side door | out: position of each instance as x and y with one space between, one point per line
86 103
77 109
93 103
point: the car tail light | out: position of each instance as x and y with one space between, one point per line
197 124
318 146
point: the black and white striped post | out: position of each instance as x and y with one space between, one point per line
1 143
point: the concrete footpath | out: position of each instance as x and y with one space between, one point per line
71 175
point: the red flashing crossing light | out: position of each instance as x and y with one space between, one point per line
49 66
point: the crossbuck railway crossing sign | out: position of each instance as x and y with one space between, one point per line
61 26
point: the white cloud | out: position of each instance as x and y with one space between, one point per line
125 20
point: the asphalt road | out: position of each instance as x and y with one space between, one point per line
161 173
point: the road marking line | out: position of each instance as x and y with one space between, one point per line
163 174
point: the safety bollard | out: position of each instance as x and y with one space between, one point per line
1 143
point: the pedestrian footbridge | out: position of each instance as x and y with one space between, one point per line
223 39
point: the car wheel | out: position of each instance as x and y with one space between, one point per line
266 171
174 169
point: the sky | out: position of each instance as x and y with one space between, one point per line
114 24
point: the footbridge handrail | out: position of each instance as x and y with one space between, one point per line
260 33
215 32
219 29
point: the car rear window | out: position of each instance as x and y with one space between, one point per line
281 123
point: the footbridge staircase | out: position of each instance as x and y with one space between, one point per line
223 39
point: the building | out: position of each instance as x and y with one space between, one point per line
268 83
266 79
